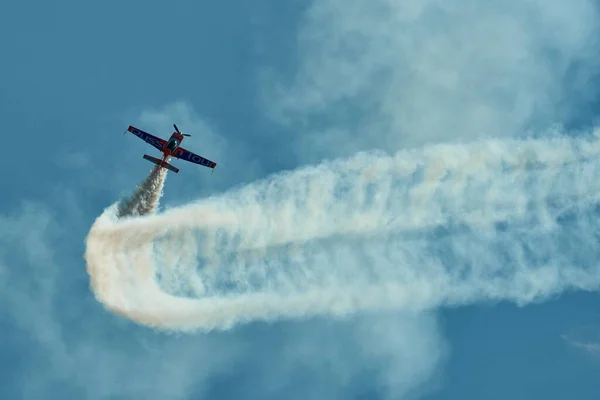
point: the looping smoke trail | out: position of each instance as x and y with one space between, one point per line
447 225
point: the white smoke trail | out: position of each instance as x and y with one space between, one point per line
145 198
447 225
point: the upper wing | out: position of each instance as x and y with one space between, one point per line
148 138
194 158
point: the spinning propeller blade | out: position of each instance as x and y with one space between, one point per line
177 129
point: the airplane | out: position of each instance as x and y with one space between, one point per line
170 148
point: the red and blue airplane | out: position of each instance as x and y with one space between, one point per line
170 148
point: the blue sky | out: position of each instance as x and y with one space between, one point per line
263 87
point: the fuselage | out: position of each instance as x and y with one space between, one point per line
172 145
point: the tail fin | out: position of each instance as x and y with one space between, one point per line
163 164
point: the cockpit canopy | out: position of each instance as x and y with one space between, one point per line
172 144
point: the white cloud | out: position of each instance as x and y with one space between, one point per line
407 352
390 73
69 342
323 358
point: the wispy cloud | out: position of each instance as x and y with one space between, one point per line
590 347
586 338
72 348
390 74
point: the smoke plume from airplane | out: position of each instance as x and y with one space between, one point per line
441 226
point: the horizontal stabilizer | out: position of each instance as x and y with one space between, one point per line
163 164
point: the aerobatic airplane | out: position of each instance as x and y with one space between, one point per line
170 148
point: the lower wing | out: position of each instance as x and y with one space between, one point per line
148 138
187 155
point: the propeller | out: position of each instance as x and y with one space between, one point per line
177 129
